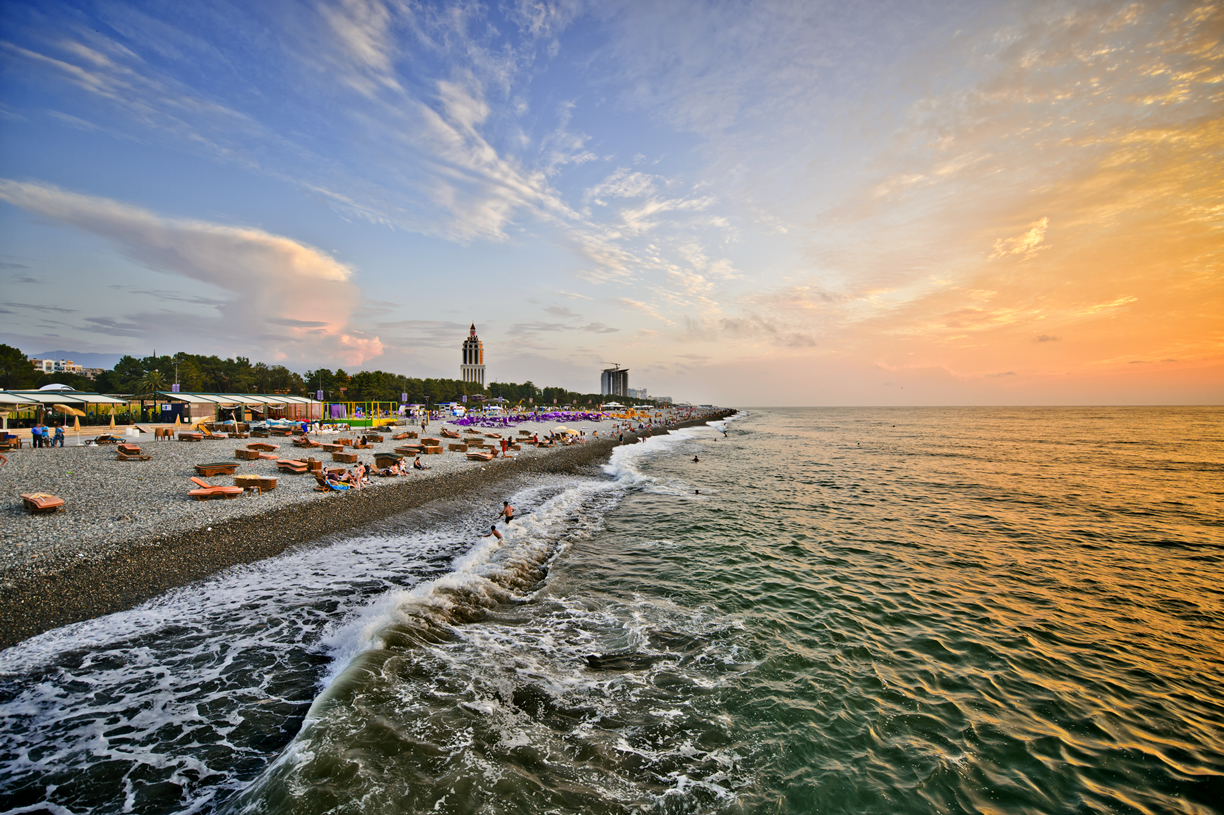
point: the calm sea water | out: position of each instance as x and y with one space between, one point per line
863 610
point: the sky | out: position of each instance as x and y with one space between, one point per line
744 203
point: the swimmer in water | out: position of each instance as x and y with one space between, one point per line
493 533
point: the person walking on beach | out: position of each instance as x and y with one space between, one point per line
507 512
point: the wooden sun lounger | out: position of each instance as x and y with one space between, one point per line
289 465
207 491
246 455
479 456
329 486
106 438
132 457
409 450
345 458
39 502
211 468
129 448
304 442
262 446
190 436
450 434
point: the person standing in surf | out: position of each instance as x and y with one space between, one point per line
507 512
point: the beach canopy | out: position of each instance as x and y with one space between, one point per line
235 399
70 411
61 397
13 399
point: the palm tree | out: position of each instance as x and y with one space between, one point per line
151 382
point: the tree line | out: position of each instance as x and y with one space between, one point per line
212 374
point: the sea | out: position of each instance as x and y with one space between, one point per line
903 610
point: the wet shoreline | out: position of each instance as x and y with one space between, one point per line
33 603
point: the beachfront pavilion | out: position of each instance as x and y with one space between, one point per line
260 405
66 402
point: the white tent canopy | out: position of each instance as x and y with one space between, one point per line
231 399
62 398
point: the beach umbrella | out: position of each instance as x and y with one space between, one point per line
76 427
561 429
112 417
178 422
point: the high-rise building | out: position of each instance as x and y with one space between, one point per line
614 381
472 369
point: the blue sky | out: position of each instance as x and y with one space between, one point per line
766 202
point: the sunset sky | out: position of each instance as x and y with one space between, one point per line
750 203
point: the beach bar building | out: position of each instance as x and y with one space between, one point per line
259 405
55 399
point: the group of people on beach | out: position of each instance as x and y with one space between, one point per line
43 436
359 475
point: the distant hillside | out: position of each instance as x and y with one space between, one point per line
106 361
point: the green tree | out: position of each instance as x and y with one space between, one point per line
16 372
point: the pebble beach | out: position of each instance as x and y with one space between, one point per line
129 530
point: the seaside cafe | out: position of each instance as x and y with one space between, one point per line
55 399
241 407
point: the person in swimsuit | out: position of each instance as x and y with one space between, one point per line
507 511
493 532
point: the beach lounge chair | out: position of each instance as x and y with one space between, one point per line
329 486
39 502
207 491
479 455
345 458
246 455
211 468
137 456
207 433
305 442
107 438
128 448
190 435
372 438
450 434
261 446
289 465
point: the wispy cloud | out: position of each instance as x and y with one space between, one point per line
271 279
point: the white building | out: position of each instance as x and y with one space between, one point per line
472 369
57 366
